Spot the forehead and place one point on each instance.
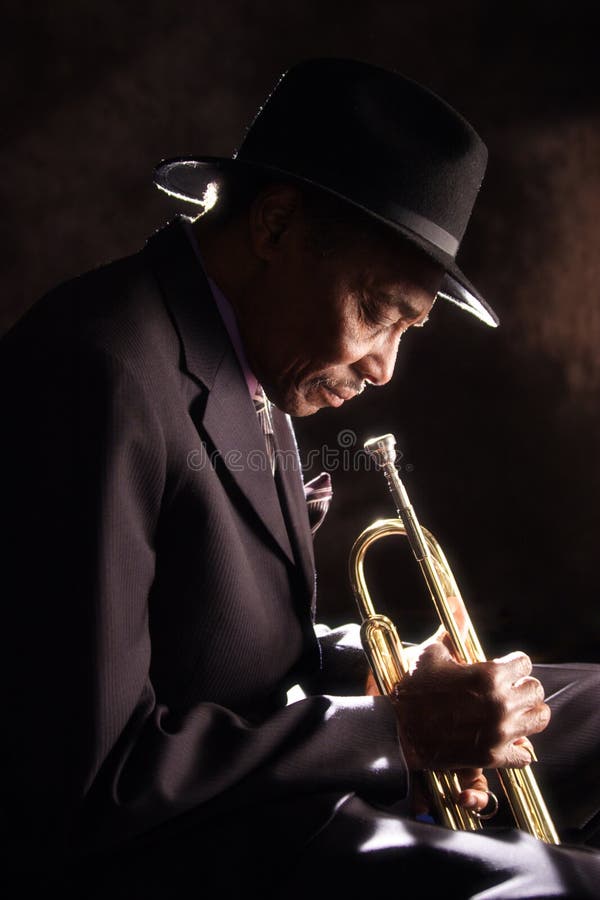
(394, 272)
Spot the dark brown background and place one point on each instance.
(499, 429)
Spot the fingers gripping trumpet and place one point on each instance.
(389, 663)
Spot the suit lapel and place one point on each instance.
(291, 489)
(232, 424)
(229, 418)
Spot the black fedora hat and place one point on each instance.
(373, 138)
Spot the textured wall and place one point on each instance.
(499, 430)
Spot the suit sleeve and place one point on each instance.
(344, 666)
(91, 749)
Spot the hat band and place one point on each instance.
(423, 227)
(397, 214)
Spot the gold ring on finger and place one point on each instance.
(493, 800)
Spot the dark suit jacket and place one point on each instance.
(159, 589)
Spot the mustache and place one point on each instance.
(355, 385)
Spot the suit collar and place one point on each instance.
(186, 291)
(229, 418)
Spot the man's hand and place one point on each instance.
(456, 716)
(474, 794)
(474, 786)
(466, 717)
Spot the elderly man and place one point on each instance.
(162, 582)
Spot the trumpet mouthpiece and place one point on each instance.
(382, 449)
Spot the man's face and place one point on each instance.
(324, 326)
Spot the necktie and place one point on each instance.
(318, 492)
(262, 405)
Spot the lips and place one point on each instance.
(345, 393)
(338, 396)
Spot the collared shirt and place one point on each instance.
(229, 320)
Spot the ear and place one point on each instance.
(271, 216)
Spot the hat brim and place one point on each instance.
(187, 179)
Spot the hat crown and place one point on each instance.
(372, 138)
(375, 137)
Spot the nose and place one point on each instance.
(377, 366)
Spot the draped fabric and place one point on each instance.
(164, 648)
(318, 499)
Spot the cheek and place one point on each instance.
(335, 337)
(342, 344)
(315, 328)
(327, 348)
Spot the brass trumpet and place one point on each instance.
(388, 661)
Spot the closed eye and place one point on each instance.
(409, 312)
(378, 314)
(385, 312)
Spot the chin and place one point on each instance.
(307, 409)
(293, 402)
(298, 407)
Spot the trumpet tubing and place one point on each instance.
(389, 665)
